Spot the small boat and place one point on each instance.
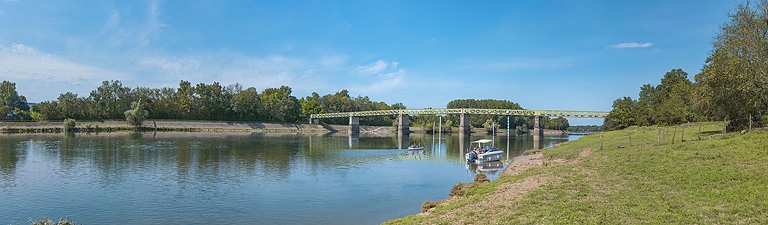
(487, 154)
(415, 147)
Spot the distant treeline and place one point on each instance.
(733, 85)
(187, 102)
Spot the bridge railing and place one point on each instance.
(503, 112)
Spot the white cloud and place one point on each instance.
(431, 40)
(632, 45)
(20, 62)
(383, 83)
(42, 76)
(374, 68)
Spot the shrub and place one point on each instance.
(69, 124)
(44, 221)
(136, 115)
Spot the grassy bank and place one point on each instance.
(723, 180)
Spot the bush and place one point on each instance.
(136, 115)
(44, 221)
(69, 124)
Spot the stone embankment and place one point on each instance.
(193, 126)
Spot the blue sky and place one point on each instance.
(575, 55)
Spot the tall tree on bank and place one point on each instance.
(10, 100)
(734, 81)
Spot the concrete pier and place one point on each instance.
(464, 124)
(354, 125)
(538, 126)
(314, 121)
(403, 124)
(538, 133)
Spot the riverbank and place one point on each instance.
(637, 177)
(186, 126)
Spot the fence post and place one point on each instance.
(630, 139)
(699, 130)
(724, 126)
(658, 138)
(682, 134)
(750, 122)
(673, 135)
(601, 142)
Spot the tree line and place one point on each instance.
(732, 85)
(113, 101)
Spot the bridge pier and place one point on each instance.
(403, 124)
(464, 124)
(354, 125)
(314, 121)
(538, 127)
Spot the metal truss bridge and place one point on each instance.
(503, 112)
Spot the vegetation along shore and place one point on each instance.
(647, 180)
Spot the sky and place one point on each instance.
(547, 55)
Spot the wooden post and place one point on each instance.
(630, 139)
(699, 130)
(682, 134)
(658, 138)
(750, 122)
(724, 126)
(673, 135)
(601, 142)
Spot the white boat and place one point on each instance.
(415, 147)
(489, 153)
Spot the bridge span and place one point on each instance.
(464, 113)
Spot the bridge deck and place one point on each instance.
(503, 112)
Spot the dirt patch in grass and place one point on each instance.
(522, 163)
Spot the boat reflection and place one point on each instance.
(485, 167)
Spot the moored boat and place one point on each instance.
(482, 153)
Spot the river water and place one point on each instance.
(228, 178)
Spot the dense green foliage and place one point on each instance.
(734, 81)
(12, 103)
(136, 115)
(187, 102)
(733, 84)
(587, 128)
(342, 102)
(69, 124)
(665, 104)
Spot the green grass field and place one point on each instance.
(723, 180)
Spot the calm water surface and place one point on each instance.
(218, 178)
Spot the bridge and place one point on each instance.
(464, 113)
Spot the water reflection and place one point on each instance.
(152, 178)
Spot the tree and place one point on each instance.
(247, 105)
(10, 99)
(311, 104)
(622, 115)
(734, 81)
(559, 123)
(137, 114)
(489, 125)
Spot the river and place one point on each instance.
(229, 178)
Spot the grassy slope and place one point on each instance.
(723, 180)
